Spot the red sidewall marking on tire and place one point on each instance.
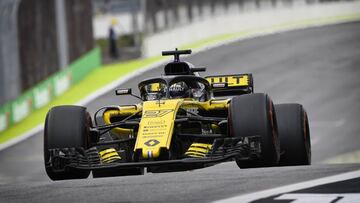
(272, 123)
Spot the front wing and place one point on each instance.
(223, 149)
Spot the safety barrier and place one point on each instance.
(54, 86)
(233, 19)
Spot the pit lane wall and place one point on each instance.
(250, 16)
(54, 86)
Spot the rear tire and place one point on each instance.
(66, 127)
(254, 115)
(294, 135)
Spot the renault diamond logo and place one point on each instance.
(151, 143)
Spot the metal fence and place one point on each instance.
(37, 41)
(9, 58)
(79, 27)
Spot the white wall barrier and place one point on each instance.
(236, 20)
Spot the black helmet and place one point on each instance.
(179, 90)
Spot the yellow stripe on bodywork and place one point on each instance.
(156, 126)
(198, 150)
(112, 154)
(109, 155)
(239, 80)
(201, 145)
(106, 151)
(122, 133)
(194, 154)
(213, 104)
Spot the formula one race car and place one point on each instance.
(183, 122)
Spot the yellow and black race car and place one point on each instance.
(183, 122)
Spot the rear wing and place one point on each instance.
(231, 85)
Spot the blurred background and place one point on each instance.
(56, 52)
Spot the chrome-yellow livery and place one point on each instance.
(109, 155)
(231, 80)
(157, 122)
(198, 150)
(213, 104)
(156, 126)
(121, 111)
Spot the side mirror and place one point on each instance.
(126, 92)
(123, 91)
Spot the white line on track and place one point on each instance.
(122, 80)
(293, 187)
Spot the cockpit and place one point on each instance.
(175, 87)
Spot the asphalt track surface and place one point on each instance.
(317, 67)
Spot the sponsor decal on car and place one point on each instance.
(230, 80)
(156, 113)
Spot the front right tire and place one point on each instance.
(66, 127)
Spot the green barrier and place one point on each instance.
(41, 94)
(61, 82)
(81, 68)
(21, 107)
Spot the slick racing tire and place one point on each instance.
(294, 135)
(66, 127)
(254, 115)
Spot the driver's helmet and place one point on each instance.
(179, 90)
